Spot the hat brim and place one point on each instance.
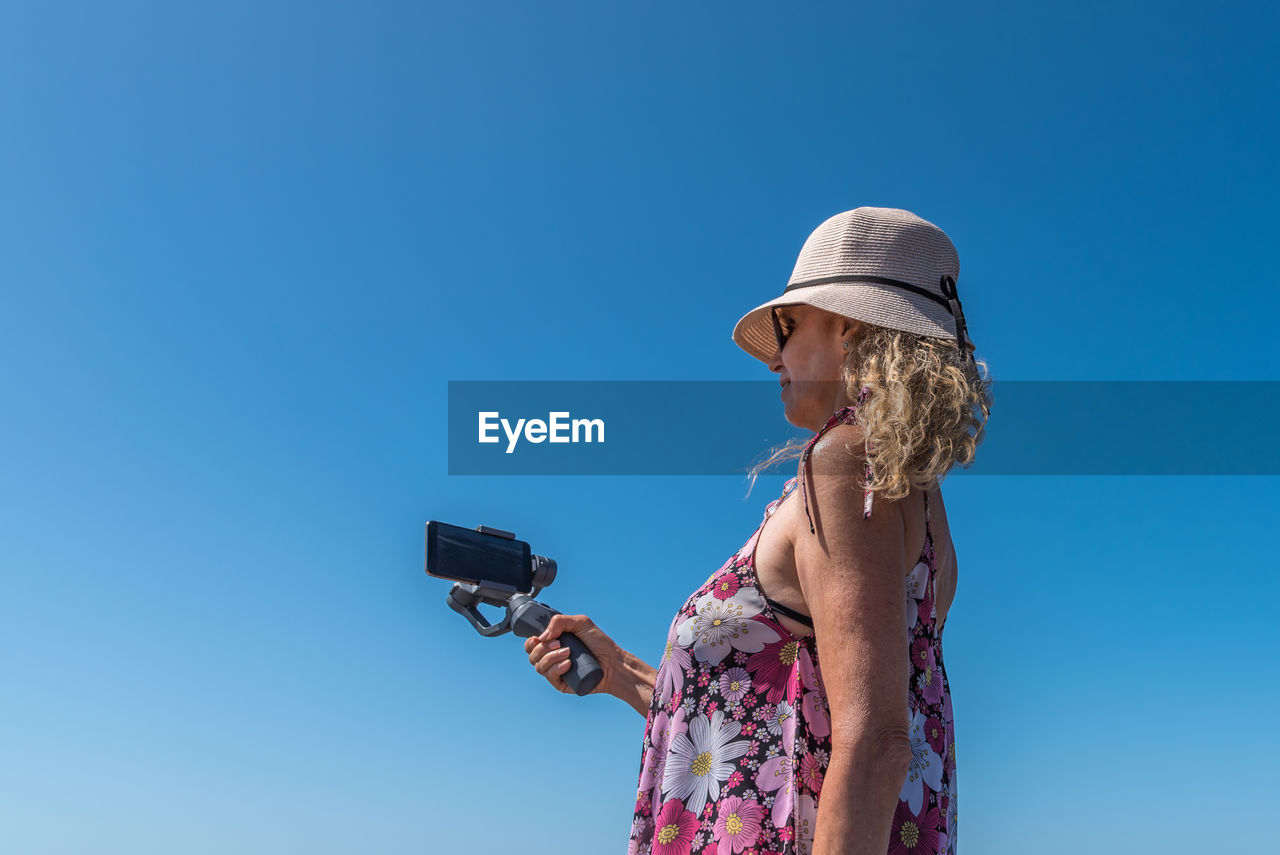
(881, 305)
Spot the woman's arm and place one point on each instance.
(636, 682)
(626, 676)
(852, 575)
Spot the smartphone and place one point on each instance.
(467, 555)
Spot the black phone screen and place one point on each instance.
(466, 555)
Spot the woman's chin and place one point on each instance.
(789, 412)
(803, 410)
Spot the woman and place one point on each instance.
(817, 718)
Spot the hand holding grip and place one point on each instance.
(530, 618)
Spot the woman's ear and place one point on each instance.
(852, 325)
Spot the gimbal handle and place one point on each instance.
(528, 617)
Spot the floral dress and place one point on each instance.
(738, 735)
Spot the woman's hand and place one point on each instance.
(625, 676)
(551, 659)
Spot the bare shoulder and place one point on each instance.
(837, 479)
(835, 484)
(841, 451)
(837, 467)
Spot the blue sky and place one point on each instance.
(245, 246)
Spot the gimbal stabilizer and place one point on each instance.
(525, 616)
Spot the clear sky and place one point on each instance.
(245, 245)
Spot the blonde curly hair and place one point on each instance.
(926, 410)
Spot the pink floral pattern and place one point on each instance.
(738, 736)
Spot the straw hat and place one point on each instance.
(883, 266)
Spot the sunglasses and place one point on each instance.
(777, 330)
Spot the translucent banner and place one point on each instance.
(673, 427)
